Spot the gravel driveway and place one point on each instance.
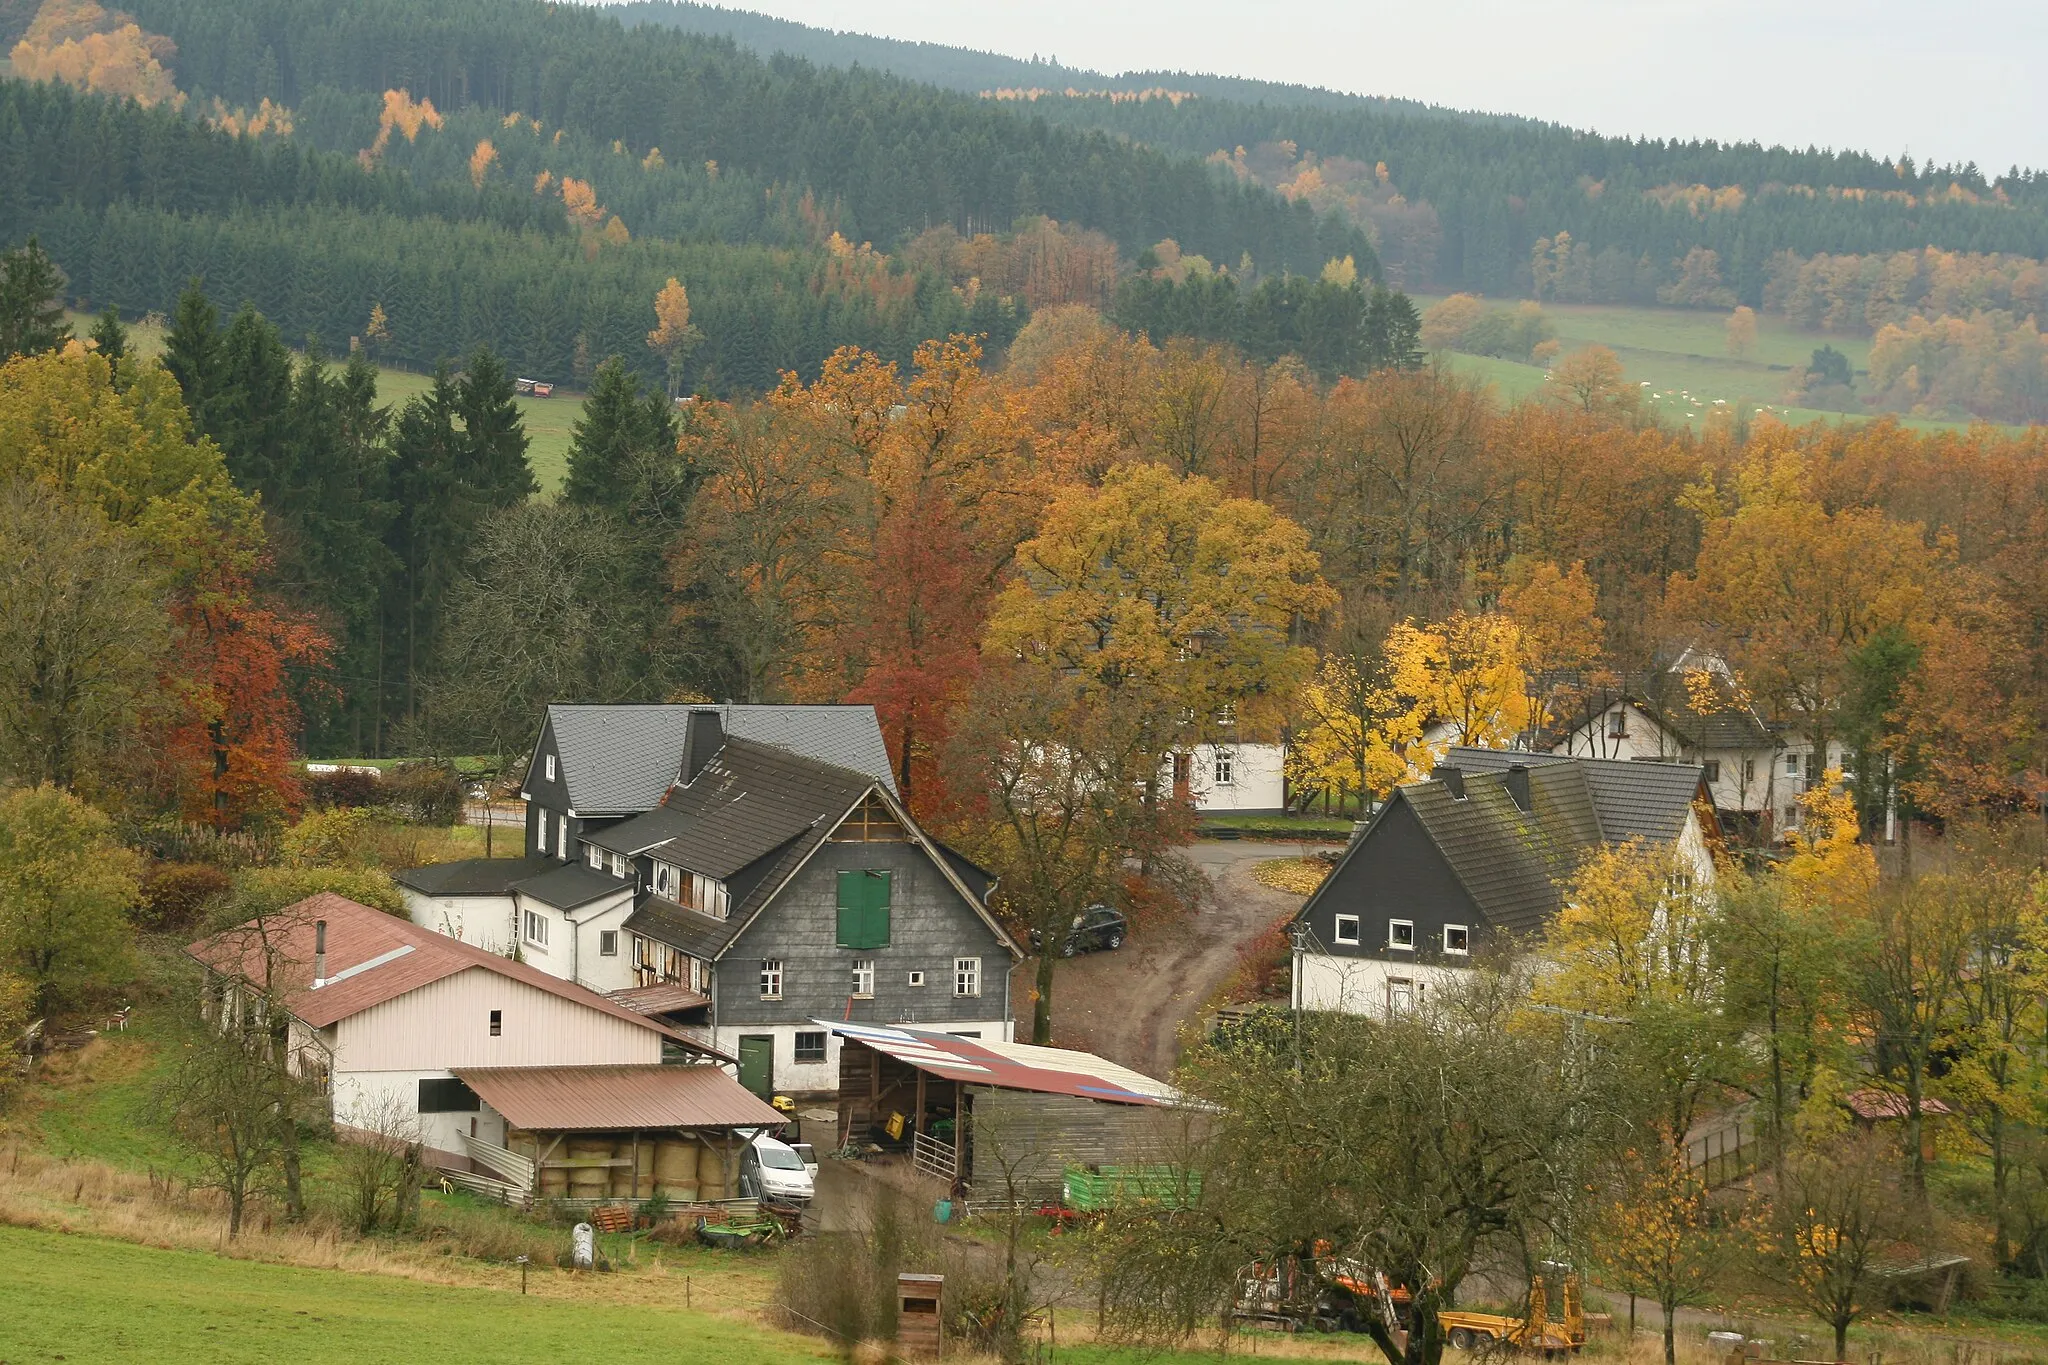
(1129, 1005)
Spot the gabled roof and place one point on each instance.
(619, 760)
(698, 934)
(1635, 799)
(372, 958)
(1661, 694)
(748, 801)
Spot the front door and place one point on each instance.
(757, 1065)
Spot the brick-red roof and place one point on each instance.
(372, 957)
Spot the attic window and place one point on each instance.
(551, 767)
(1401, 934)
(1713, 767)
(1457, 940)
(1347, 929)
(1617, 723)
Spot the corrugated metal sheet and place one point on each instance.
(1011, 1066)
(618, 1098)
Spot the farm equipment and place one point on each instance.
(1111, 1187)
(1330, 1294)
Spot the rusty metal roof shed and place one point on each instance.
(554, 1099)
(1011, 1066)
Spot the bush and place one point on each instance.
(427, 792)
(177, 896)
(342, 790)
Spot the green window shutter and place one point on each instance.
(863, 910)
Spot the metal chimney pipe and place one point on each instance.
(320, 952)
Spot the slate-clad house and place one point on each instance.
(739, 886)
(1484, 848)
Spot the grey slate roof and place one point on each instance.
(572, 884)
(697, 934)
(473, 876)
(1634, 800)
(1513, 862)
(620, 759)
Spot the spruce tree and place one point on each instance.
(620, 426)
(494, 435)
(31, 302)
(194, 353)
(109, 336)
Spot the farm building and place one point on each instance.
(982, 1113)
(411, 1029)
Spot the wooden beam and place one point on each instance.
(917, 1127)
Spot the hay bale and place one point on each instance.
(675, 1162)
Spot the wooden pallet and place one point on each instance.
(612, 1217)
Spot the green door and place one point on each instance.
(757, 1065)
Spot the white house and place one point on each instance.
(566, 919)
(1246, 778)
(390, 1014)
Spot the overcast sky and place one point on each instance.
(1954, 80)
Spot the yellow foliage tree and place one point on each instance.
(480, 161)
(1829, 865)
(1741, 332)
(1658, 1237)
(673, 337)
(1446, 323)
(579, 203)
(1356, 734)
(1341, 271)
(1591, 379)
(1468, 673)
(83, 45)
(653, 161)
(1556, 611)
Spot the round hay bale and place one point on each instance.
(554, 1182)
(675, 1163)
(688, 1193)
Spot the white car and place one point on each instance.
(774, 1171)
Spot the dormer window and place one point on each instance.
(594, 855)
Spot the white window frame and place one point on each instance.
(1617, 723)
(594, 856)
(1226, 768)
(533, 928)
(966, 977)
(540, 825)
(917, 978)
(1337, 933)
(563, 844)
(1401, 988)
(1464, 929)
(620, 867)
(771, 978)
(551, 767)
(863, 978)
(1393, 942)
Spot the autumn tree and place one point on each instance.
(674, 336)
(1356, 734)
(1468, 673)
(1838, 1218)
(1658, 1236)
(66, 886)
(1908, 984)
(1741, 332)
(1592, 381)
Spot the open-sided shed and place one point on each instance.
(976, 1113)
(618, 1132)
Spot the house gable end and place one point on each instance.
(1394, 872)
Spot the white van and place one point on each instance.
(773, 1170)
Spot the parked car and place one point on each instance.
(809, 1156)
(771, 1169)
(1099, 926)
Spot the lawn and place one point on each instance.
(1679, 353)
(547, 419)
(83, 1298)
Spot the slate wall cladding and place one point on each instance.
(1398, 874)
(930, 925)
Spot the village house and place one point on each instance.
(1482, 851)
(736, 884)
(1228, 777)
(410, 1030)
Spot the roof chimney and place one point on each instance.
(1518, 785)
(1454, 778)
(703, 737)
(319, 952)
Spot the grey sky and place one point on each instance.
(1956, 81)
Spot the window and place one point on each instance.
(1791, 765)
(864, 909)
(1457, 939)
(1713, 767)
(594, 855)
(864, 978)
(1791, 816)
(1748, 771)
(810, 1047)
(1617, 723)
(1400, 995)
(551, 767)
(536, 926)
(1347, 928)
(967, 976)
(1226, 768)
(771, 978)
(563, 842)
(497, 1023)
(607, 943)
(447, 1096)
(1401, 933)
(917, 978)
(619, 868)
(540, 826)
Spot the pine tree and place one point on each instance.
(494, 444)
(194, 353)
(109, 336)
(31, 302)
(620, 425)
